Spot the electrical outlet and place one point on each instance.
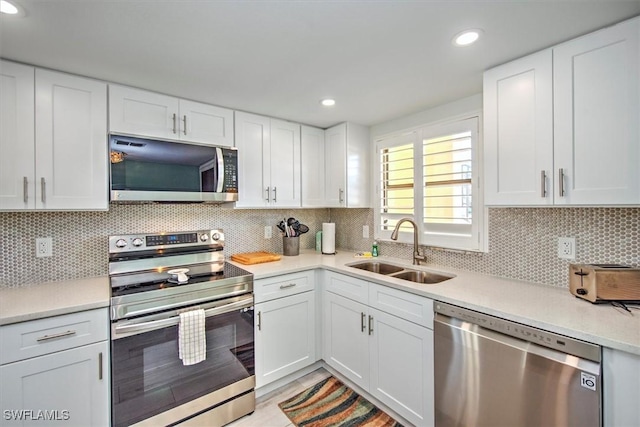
(44, 247)
(567, 248)
(365, 231)
(268, 232)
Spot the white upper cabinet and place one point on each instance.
(564, 130)
(268, 162)
(63, 164)
(597, 115)
(518, 132)
(17, 136)
(313, 167)
(347, 151)
(71, 142)
(142, 113)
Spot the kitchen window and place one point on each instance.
(431, 175)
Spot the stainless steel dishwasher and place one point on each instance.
(493, 372)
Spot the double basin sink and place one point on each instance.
(392, 270)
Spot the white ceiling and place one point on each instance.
(379, 59)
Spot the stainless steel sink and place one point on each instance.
(391, 270)
(377, 267)
(425, 277)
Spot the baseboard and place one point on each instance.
(366, 395)
(268, 388)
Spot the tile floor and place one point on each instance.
(267, 413)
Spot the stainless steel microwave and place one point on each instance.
(149, 170)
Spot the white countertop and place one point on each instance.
(545, 307)
(53, 299)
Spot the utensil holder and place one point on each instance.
(290, 246)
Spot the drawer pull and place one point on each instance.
(54, 336)
(100, 365)
(290, 285)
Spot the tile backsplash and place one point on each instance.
(80, 239)
(522, 241)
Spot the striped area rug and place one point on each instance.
(330, 403)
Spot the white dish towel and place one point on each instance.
(192, 344)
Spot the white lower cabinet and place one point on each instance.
(67, 381)
(381, 351)
(285, 326)
(621, 388)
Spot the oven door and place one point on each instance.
(150, 384)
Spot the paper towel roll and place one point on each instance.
(328, 238)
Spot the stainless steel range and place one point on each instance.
(155, 279)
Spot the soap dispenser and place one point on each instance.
(374, 249)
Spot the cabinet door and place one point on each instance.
(285, 336)
(621, 388)
(345, 337)
(71, 142)
(253, 143)
(17, 138)
(69, 385)
(596, 117)
(402, 366)
(518, 132)
(285, 164)
(138, 112)
(206, 124)
(312, 171)
(335, 165)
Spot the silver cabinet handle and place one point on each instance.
(543, 184)
(184, 121)
(370, 325)
(363, 318)
(43, 187)
(290, 285)
(268, 194)
(25, 189)
(561, 181)
(340, 195)
(275, 194)
(259, 320)
(100, 365)
(174, 122)
(54, 336)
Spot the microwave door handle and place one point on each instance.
(220, 177)
(174, 320)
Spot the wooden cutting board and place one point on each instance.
(255, 257)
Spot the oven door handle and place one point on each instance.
(174, 320)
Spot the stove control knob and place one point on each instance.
(121, 243)
(204, 237)
(137, 242)
(215, 236)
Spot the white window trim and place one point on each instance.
(417, 134)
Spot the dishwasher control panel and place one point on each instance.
(524, 332)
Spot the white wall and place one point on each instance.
(452, 109)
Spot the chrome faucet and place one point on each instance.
(416, 252)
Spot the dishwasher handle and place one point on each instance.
(529, 347)
(547, 339)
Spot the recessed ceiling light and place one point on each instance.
(466, 37)
(328, 102)
(8, 8)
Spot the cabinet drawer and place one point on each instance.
(284, 285)
(405, 305)
(347, 286)
(37, 337)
